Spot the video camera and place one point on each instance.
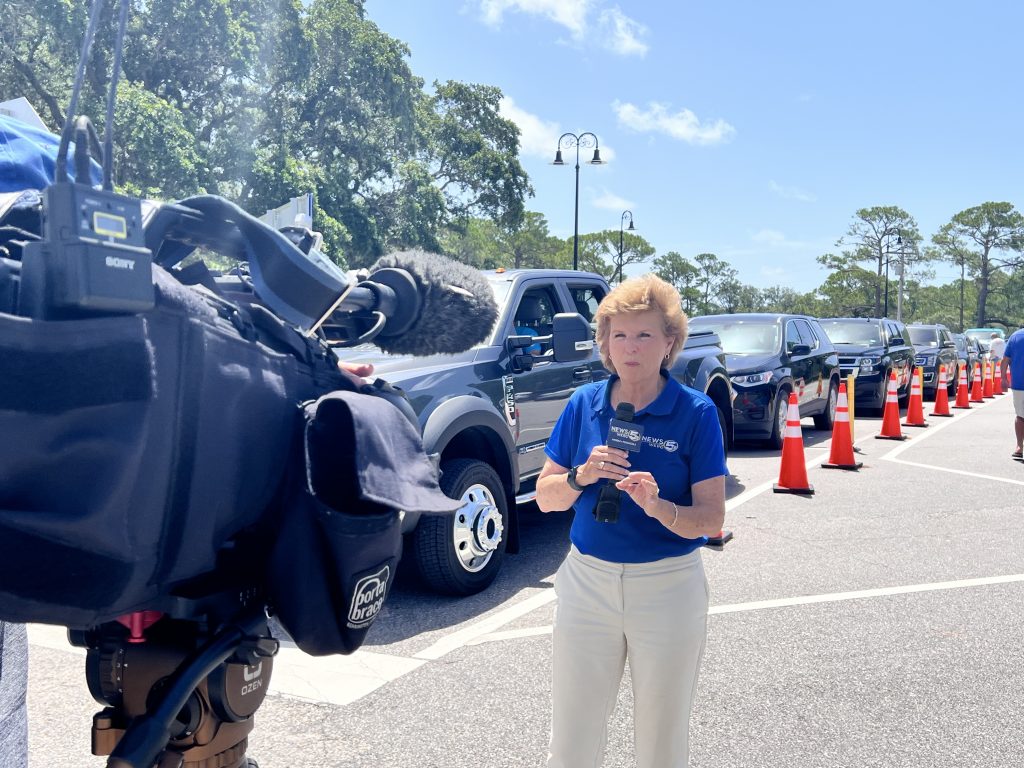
(181, 452)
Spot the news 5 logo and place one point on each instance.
(625, 435)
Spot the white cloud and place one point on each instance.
(571, 14)
(791, 193)
(536, 137)
(611, 201)
(621, 33)
(612, 29)
(683, 125)
(771, 237)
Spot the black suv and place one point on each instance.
(934, 346)
(871, 348)
(768, 356)
(969, 352)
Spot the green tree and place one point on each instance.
(711, 272)
(262, 100)
(987, 239)
(873, 236)
(39, 52)
(675, 269)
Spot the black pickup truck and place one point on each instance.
(488, 412)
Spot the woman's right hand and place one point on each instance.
(604, 463)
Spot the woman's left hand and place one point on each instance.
(642, 489)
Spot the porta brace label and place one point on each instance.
(368, 598)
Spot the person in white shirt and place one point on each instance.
(996, 347)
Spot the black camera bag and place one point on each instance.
(135, 450)
(339, 541)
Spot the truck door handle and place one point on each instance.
(581, 374)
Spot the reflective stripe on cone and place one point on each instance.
(793, 472)
(891, 418)
(841, 454)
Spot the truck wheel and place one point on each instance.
(827, 418)
(460, 554)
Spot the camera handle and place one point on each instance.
(178, 699)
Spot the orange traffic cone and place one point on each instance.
(976, 393)
(962, 394)
(915, 408)
(891, 417)
(793, 472)
(997, 375)
(986, 388)
(942, 395)
(841, 455)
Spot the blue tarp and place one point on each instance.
(28, 157)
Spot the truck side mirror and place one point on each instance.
(571, 337)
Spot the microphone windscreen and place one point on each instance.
(459, 310)
(624, 411)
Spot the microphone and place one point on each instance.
(624, 434)
(433, 305)
(413, 302)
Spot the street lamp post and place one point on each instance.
(631, 228)
(903, 269)
(899, 242)
(568, 141)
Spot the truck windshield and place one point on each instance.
(852, 332)
(924, 337)
(743, 337)
(500, 286)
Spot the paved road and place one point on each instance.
(877, 623)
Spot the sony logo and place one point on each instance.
(116, 263)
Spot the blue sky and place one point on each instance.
(750, 129)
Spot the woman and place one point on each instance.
(633, 589)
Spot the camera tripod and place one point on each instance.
(180, 692)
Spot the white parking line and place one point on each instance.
(488, 624)
(786, 602)
(956, 471)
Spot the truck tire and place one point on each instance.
(461, 553)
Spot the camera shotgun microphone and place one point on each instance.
(625, 434)
(455, 306)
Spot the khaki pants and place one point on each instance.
(655, 615)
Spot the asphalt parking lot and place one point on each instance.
(875, 623)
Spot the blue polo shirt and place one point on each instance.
(1015, 351)
(682, 445)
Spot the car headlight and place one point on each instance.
(753, 378)
(868, 364)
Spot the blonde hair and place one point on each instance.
(642, 294)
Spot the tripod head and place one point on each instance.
(179, 692)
